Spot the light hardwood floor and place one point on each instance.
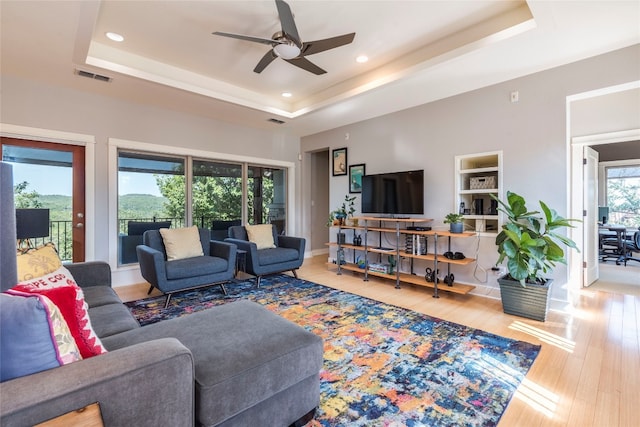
(587, 373)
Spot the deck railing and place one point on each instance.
(61, 232)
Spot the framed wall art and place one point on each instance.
(356, 172)
(339, 161)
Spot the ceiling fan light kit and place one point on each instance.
(287, 45)
(287, 50)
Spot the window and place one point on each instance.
(216, 192)
(623, 194)
(151, 188)
(155, 188)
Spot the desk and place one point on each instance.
(617, 252)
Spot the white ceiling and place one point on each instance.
(420, 51)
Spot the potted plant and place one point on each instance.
(531, 245)
(346, 210)
(455, 222)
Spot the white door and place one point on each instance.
(590, 207)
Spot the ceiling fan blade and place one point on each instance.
(287, 22)
(306, 65)
(317, 46)
(247, 38)
(266, 60)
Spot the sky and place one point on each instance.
(48, 180)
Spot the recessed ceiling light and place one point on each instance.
(362, 59)
(287, 94)
(114, 36)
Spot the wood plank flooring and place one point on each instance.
(587, 373)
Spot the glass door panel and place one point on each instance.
(51, 176)
(267, 196)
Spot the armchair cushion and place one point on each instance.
(277, 256)
(261, 235)
(194, 266)
(180, 243)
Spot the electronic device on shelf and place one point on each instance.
(420, 228)
(396, 193)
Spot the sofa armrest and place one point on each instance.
(147, 384)
(90, 273)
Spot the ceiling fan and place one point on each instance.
(287, 45)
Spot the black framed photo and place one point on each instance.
(339, 161)
(356, 172)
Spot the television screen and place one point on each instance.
(396, 193)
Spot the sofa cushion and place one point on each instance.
(63, 291)
(242, 351)
(196, 266)
(111, 319)
(261, 235)
(277, 256)
(33, 336)
(36, 262)
(181, 243)
(95, 296)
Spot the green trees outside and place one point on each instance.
(624, 201)
(213, 197)
(25, 199)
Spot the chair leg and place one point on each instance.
(166, 303)
(258, 280)
(295, 273)
(224, 290)
(150, 289)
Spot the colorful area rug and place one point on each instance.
(384, 365)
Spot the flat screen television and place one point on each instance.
(395, 193)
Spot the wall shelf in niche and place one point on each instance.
(478, 177)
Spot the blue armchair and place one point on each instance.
(216, 266)
(288, 253)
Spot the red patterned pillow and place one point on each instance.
(63, 291)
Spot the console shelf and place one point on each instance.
(457, 288)
(371, 225)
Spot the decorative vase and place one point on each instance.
(530, 301)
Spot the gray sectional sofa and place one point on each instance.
(233, 365)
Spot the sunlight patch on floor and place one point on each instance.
(544, 336)
(537, 397)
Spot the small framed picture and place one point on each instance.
(356, 172)
(340, 161)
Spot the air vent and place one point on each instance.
(275, 121)
(94, 76)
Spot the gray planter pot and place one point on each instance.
(531, 301)
(456, 227)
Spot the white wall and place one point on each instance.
(532, 134)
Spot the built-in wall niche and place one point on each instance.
(478, 177)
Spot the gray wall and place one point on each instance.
(532, 134)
